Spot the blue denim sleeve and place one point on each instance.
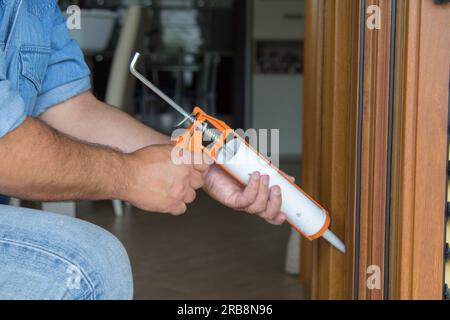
(12, 107)
(67, 73)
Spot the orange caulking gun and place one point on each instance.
(239, 159)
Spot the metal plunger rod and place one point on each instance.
(187, 116)
(155, 89)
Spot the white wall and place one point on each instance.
(277, 99)
(278, 19)
(278, 104)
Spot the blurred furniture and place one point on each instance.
(67, 208)
(292, 264)
(121, 84)
(96, 29)
(183, 68)
(278, 19)
(208, 82)
(15, 202)
(4, 200)
(155, 67)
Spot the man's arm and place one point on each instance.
(86, 118)
(39, 163)
(91, 120)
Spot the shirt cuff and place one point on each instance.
(12, 109)
(61, 94)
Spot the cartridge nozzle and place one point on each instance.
(335, 241)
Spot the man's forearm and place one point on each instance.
(87, 119)
(39, 163)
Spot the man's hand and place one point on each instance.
(158, 184)
(255, 198)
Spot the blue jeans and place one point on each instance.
(50, 256)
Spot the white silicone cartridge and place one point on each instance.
(303, 213)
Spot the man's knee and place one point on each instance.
(110, 270)
(82, 259)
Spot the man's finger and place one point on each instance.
(189, 197)
(250, 192)
(197, 180)
(274, 204)
(201, 162)
(260, 204)
(179, 209)
(279, 219)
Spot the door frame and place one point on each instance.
(375, 146)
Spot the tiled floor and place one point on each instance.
(211, 252)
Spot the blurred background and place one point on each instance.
(241, 61)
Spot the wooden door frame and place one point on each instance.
(313, 54)
(374, 148)
(330, 126)
(420, 160)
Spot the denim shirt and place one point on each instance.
(40, 65)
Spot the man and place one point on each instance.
(58, 142)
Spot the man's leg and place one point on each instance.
(49, 256)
